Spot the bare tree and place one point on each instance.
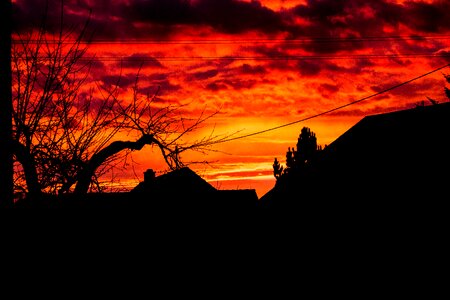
(162, 126)
(64, 139)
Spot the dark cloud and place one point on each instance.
(325, 18)
(248, 69)
(332, 18)
(167, 12)
(236, 84)
(386, 85)
(236, 16)
(216, 86)
(445, 54)
(119, 80)
(157, 76)
(153, 82)
(165, 87)
(29, 14)
(271, 51)
(327, 90)
(120, 18)
(414, 90)
(230, 16)
(354, 18)
(137, 60)
(205, 74)
(321, 11)
(97, 66)
(433, 18)
(314, 67)
(357, 66)
(308, 68)
(105, 18)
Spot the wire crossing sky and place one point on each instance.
(247, 41)
(334, 109)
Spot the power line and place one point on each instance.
(241, 41)
(331, 110)
(255, 58)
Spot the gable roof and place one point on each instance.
(185, 189)
(396, 137)
(181, 181)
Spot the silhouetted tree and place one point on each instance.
(290, 158)
(297, 160)
(277, 169)
(66, 138)
(306, 150)
(306, 146)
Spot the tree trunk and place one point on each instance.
(31, 176)
(85, 176)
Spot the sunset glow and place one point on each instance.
(260, 64)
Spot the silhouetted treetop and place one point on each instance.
(298, 158)
(277, 169)
(306, 146)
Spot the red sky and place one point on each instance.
(263, 64)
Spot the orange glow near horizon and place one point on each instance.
(273, 76)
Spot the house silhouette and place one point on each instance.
(181, 181)
(181, 189)
(386, 161)
(185, 188)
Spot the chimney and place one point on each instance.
(149, 176)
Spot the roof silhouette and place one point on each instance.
(405, 128)
(179, 181)
(181, 190)
(408, 144)
(185, 188)
(398, 155)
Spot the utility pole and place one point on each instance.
(6, 154)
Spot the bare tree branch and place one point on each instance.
(67, 136)
(85, 176)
